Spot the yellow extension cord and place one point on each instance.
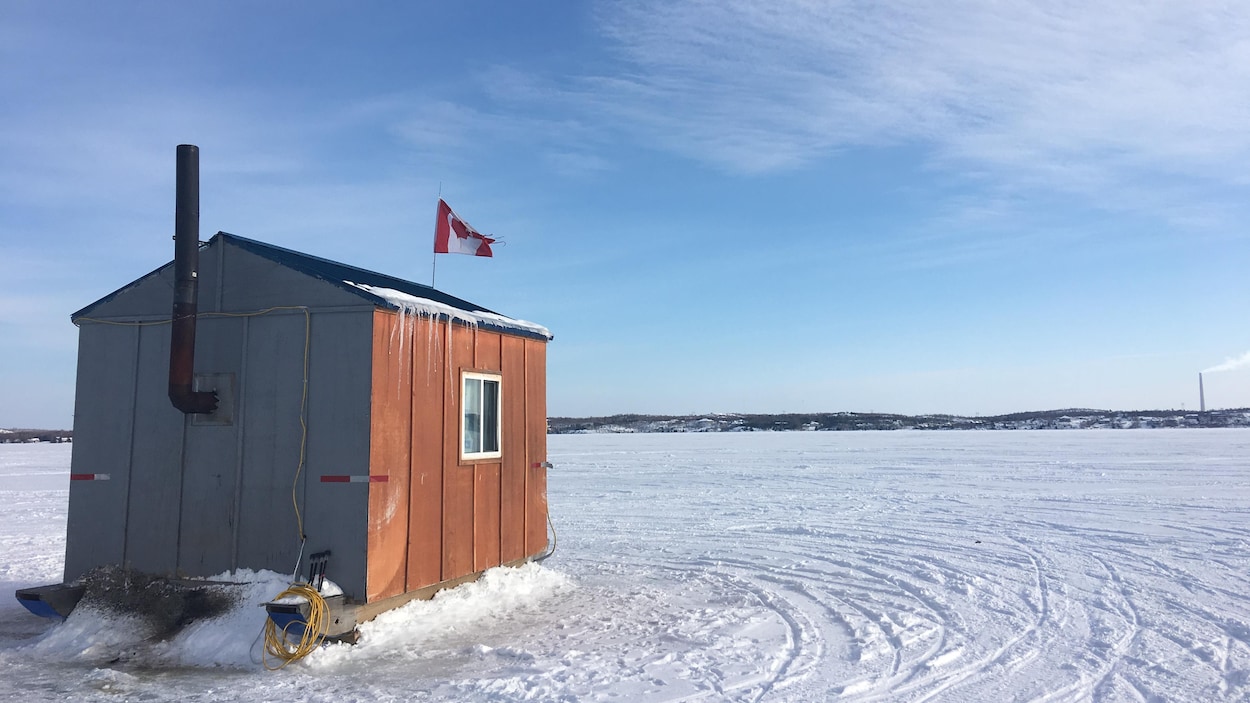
(278, 644)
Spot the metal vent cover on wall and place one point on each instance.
(223, 384)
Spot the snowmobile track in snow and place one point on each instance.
(774, 567)
(925, 567)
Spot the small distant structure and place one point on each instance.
(297, 407)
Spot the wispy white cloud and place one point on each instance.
(441, 125)
(1082, 97)
(104, 155)
(458, 133)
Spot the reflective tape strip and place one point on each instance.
(355, 479)
(88, 477)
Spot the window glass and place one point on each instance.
(480, 424)
(490, 416)
(472, 415)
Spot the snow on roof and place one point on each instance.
(395, 292)
(413, 304)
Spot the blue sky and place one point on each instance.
(971, 207)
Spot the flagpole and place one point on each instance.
(434, 265)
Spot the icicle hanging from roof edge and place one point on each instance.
(406, 319)
(423, 306)
(410, 308)
(429, 308)
(451, 382)
(404, 314)
(412, 316)
(410, 335)
(395, 327)
(402, 327)
(433, 341)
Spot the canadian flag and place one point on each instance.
(452, 235)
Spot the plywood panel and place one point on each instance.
(486, 357)
(339, 399)
(156, 462)
(207, 520)
(269, 400)
(425, 519)
(104, 400)
(536, 446)
(512, 475)
(486, 352)
(457, 479)
(389, 454)
(457, 521)
(486, 516)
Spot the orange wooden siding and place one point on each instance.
(486, 351)
(457, 478)
(486, 516)
(425, 545)
(512, 477)
(436, 518)
(535, 424)
(389, 455)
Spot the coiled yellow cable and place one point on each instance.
(278, 644)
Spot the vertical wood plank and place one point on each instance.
(512, 474)
(536, 446)
(389, 455)
(486, 492)
(457, 479)
(486, 350)
(425, 520)
(486, 517)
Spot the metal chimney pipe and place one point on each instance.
(186, 287)
(1202, 398)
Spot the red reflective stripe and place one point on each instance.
(381, 478)
(335, 479)
(82, 477)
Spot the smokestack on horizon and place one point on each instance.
(1202, 398)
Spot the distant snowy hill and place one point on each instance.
(1068, 419)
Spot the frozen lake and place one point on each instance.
(908, 566)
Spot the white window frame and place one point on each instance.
(465, 415)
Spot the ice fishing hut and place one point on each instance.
(296, 406)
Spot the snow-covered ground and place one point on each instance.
(910, 566)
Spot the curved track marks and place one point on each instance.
(932, 566)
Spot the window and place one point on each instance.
(479, 427)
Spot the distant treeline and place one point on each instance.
(1071, 418)
(16, 436)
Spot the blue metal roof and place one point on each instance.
(343, 276)
(339, 274)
